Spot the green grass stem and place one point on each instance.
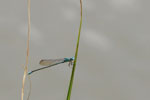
(76, 54)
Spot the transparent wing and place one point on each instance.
(48, 62)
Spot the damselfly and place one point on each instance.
(52, 62)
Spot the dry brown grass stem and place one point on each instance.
(27, 56)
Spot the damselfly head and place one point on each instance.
(72, 58)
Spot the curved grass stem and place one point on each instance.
(76, 54)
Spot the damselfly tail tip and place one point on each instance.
(29, 73)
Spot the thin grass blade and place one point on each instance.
(76, 54)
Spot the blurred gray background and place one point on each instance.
(114, 52)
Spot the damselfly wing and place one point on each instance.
(48, 62)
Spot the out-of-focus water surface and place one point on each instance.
(114, 52)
